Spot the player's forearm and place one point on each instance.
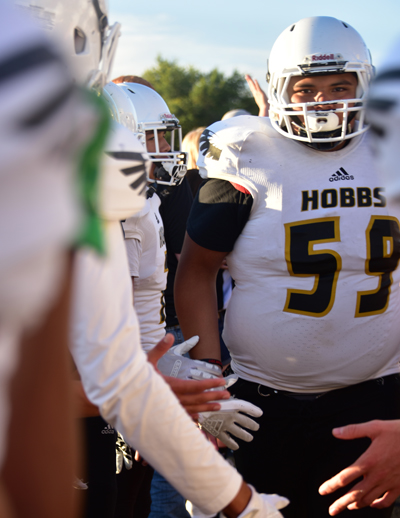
(196, 304)
(239, 503)
(198, 315)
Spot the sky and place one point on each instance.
(233, 34)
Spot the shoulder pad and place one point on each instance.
(221, 145)
(124, 180)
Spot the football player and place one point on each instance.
(44, 122)
(115, 372)
(297, 207)
(380, 464)
(145, 112)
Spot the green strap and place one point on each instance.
(91, 233)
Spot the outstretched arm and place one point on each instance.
(259, 95)
(379, 466)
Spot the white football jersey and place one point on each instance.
(316, 303)
(131, 396)
(147, 228)
(42, 124)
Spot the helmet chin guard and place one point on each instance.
(166, 173)
(318, 46)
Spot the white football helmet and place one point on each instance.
(141, 109)
(81, 27)
(383, 111)
(318, 45)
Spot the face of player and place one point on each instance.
(333, 87)
(323, 88)
(163, 146)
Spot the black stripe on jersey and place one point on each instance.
(24, 61)
(125, 155)
(132, 170)
(139, 181)
(382, 105)
(47, 110)
(390, 75)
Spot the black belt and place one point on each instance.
(266, 391)
(301, 396)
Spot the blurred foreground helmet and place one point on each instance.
(318, 46)
(383, 111)
(81, 27)
(141, 109)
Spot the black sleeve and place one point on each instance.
(218, 216)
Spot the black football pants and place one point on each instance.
(294, 450)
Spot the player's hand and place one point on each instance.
(194, 396)
(259, 95)
(379, 466)
(262, 505)
(231, 420)
(174, 364)
(139, 458)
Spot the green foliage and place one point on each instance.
(197, 98)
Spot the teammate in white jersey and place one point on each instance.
(44, 122)
(148, 115)
(379, 466)
(296, 206)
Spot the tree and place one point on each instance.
(198, 98)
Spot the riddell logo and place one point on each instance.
(341, 174)
(323, 57)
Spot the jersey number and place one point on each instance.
(383, 253)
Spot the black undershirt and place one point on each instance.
(174, 210)
(219, 213)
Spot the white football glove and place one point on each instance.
(264, 506)
(230, 418)
(174, 364)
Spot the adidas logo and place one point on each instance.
(175, 368)
(213, 425)
(108, 429)
(341, 174)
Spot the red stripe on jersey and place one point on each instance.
(240, 188)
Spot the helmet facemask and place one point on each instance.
(321, 129)
(109, 35)
(170, 166)
(304, 50)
